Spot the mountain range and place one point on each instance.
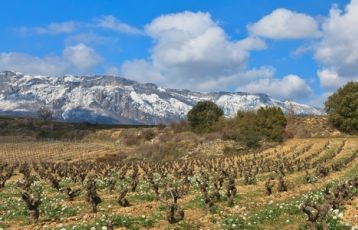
(116, 100)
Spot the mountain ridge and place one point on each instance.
(113, 99)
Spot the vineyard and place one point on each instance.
(53, 151)
(307, 183)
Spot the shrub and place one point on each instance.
(342, 108)
(181, 126)
(249, 133)
(250, 128)
(272, 123)
(159, 151)
(203, 116)
(148, 134)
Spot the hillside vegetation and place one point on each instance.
(258, 170)
(31, 137)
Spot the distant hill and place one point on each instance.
(115, 100)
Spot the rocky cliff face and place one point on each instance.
(110, 99)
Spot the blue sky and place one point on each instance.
(298, 49)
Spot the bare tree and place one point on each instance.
(290, 109)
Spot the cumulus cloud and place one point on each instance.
(110, 22)
(31, 64)
(142, 71)
(285, 24)
(191, 51)
(329, 79)
(242, 78)
(289, 87)
(75, 59)
(81, 56)
(338, 49)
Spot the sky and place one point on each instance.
(300, 50)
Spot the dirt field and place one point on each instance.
(252, 208)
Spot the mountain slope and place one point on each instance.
(110, 99)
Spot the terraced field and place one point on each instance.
(301, 184)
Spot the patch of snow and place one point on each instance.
(161, 89)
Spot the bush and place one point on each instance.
(250, 128)
(342, 108)
(148, 134)
(203, 116)
(272, 123)
(181, 126)
(159, 151)
(243, 128)
(249, 133)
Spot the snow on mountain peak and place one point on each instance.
(109, 99)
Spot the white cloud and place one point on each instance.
(243, 77)
(52, 28)
(303, 49)
(26, 63)
(338, 49)
(192, 51)
(75, 59)
(110, 22)
(329, 79)
(285, 24)
(90, 38)
(289, 87)
(81, 56)
(67, 27)
(142, 71)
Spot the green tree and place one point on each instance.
(203, 115)
(272, 123)
(248, 130)
(342, 108)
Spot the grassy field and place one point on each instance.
(299, 162)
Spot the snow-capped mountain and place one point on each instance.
(111, 99)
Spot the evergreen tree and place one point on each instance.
(203, 116)
(248, 130)
(272, 123)
(342, 108)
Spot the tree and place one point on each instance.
(290, 110)
(342, 108)
(248, 130)
(45, 114)
(272, 123)
(203, 115)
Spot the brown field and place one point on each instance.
(251, 209)
(29, 151)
